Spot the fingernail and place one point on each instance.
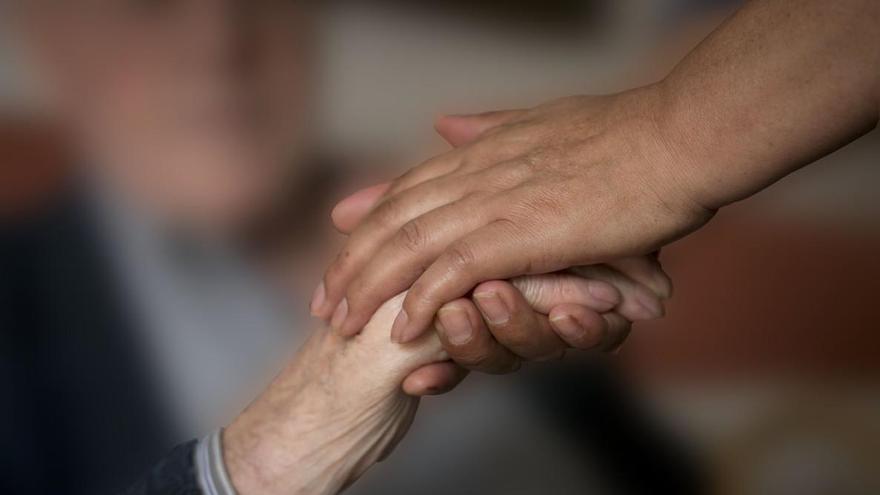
(567, 326)
(339, 315)
(604, 293)
(399, 326)
(651, 307)
(318, 299)
(456, 325)
(493, 307)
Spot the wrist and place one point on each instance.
(323, 421)
(311, 454)
(686, 159)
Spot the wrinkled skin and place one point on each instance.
(331, 414)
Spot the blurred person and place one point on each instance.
(136, 308)
(587, 179)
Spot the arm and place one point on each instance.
(584, 180)
(777, 86)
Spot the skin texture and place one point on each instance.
(582, 308)
(584, 180)
(472, 223)
(332, 413)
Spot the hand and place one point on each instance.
(332, 413)
(539, 317)
(574, 182)
(542, 315)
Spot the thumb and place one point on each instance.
(349, 212)
(459, 130)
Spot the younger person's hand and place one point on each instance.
(539, 317)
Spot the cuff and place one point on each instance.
(210, 468)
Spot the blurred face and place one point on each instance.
(193, 107)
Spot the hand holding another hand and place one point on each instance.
(344, 403)
(575, 182)
(540, 317)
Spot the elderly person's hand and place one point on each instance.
(332, 413)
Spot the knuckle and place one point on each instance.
(401, 183)
(460, 256)
(386, 214)
(512, 226)
(413, 236)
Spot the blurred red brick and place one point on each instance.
(756, 296)
(33, 160)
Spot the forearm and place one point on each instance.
(777, 86)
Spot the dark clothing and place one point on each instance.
(173, 475)
(78, 415)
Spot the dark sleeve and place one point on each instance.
(173, 475)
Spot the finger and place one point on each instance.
(383, 221)
(468, 342)
(499, 250)
(349, 212)
(638, 302)
(434, 379)
(647, 271)
(578, 326)
(404, 256)
(430, 169)
(617, 331)
(546, 291)
(514, 324)
(459, 130)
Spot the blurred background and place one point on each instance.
(143, 144)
